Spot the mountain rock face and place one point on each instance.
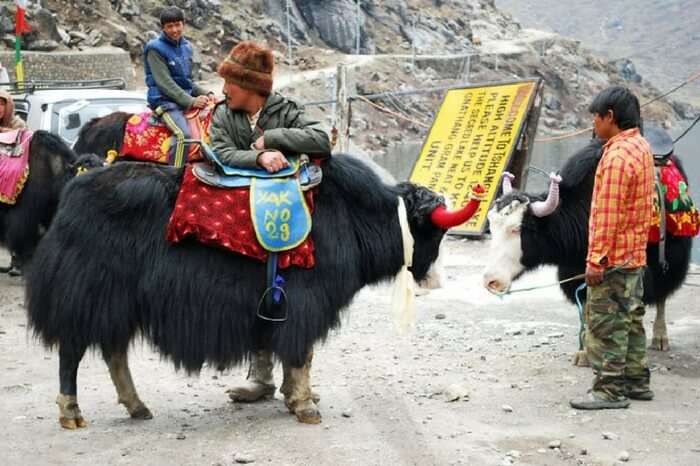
(404, 45)
(336, 22)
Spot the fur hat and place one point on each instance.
(250, 66)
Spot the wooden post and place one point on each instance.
(342, 109)
(523, 151)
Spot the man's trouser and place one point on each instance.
(175, 120)
(615, 338)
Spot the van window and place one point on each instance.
(68, 124)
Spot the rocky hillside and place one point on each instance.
(660, 36)
(441, 33)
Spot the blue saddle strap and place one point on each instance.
(273, 305)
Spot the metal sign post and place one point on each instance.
(289, 31)
(358, 31)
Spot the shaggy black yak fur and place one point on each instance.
(105, 273)
(52, 164)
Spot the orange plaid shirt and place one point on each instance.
(622, 205)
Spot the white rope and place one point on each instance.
(402, 304)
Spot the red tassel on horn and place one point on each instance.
(443, 218)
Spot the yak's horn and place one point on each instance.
(549, 205)
(507, 182)
(443, 218)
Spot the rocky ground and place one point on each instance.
(481, 381)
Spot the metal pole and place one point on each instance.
(413, 46)
(334, 93)
(289, 32)
(357, 32)
(467, 68)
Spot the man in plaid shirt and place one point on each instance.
(621, 215)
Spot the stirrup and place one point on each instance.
(267, 294)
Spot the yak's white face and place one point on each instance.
(504, 261)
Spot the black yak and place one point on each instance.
(51, 165)
(522, 241)
(105, 273)
(100, 135)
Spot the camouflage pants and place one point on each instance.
(615, 338)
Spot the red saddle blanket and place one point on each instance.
(682, 217)
(14, 163)
(221, 217)
(146, 138)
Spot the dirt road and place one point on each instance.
(383, 398)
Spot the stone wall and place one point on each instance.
(98, 63)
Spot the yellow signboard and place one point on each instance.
(471, 141)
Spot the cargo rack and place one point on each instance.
(30, 86)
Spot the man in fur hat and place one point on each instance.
(254, 127)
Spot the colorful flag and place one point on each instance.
(21, 27)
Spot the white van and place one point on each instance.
(63, 107)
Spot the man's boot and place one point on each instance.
(594, 401)
(637, 387)
(259, 384)
(15, 269)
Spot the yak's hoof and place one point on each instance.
(659, 344)
(70, 416)
(581, 359)
(306, 412)
(141, 412)
(72, 424)
(251, 392)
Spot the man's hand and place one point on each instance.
(272, 161)
(200, 102)
(259, 143)
(594, 277)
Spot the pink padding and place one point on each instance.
(10, 136)
(15, 170)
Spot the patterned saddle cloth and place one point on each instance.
(147, 139)
(14, 163)
(268, 215)
(682, 217)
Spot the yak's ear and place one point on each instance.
(86, 162)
